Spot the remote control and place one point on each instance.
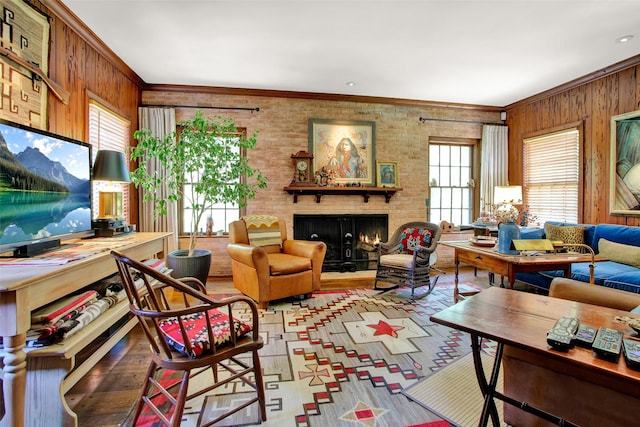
(608, 343)
(585, 336)
(631, 353)
(561, 335)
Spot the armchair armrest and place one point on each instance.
(388, 248)
(251, 256)
(302, 248)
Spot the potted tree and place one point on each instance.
(204, 166)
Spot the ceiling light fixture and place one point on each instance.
(624, 39)
(351, 84)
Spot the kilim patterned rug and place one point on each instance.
(343, 358)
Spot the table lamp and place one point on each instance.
(110, 166)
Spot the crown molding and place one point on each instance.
(217, 90)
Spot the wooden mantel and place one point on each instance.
(365, 192)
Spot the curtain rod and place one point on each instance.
(202, 106)
(424, 119)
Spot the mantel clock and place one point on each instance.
(302, 168)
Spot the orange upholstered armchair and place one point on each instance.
(267, 266)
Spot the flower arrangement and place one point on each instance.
(507, 213)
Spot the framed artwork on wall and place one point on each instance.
(346, 147)
(625, 164)
(387, 174)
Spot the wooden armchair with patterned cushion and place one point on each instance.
(267, 266)
(406, 259)
(191, 335)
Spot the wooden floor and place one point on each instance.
(105, 395)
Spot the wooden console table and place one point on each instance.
(365, 192)
(564, 388)
(35, 380)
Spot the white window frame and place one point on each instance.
(452, 192)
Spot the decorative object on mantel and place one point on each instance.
(345, 148)
(363, 191)
(302, 169)
(506, 215)
(387, 174)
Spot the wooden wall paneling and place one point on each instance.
(598, 184)
(81, 67)
(627, 89)
(593, 103)
(565, 112)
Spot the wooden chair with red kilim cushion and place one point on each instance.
(191, 333)
(406, 259)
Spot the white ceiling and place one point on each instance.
(473, 52)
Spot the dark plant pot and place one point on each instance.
(190, 266)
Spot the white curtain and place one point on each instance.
(494, 169)
(161, 122)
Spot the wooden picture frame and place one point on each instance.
(333, 144)
(624, 191)
(387, 174)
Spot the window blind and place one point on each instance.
(108, 131)
(552, 176)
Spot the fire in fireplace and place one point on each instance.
(351, 239)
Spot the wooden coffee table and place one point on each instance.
(488, 258)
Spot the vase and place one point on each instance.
(507, 231)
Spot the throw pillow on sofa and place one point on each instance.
(619, 252)
(567, 234)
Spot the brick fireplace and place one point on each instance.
(350, 238)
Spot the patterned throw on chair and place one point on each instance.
(263, 230)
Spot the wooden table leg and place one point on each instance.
(14, 380)
(456, 294)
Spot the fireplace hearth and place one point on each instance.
(351, 239)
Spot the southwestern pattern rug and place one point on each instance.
(343, 358)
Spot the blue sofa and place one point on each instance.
(609, 273)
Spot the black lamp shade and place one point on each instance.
(110, 166)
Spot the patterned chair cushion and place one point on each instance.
(196, 327)
(414, 237)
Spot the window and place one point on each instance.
(552, 175)
(221, 214)
(451, 181)
(108, 131)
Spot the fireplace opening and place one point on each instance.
(351, 239)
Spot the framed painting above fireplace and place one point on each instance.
(346, 147)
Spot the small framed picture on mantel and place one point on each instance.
(387, 174)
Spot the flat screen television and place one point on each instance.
(45, 189)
